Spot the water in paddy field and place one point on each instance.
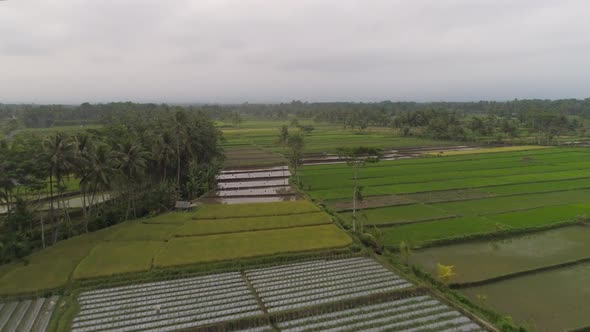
(272, 191)
(240, 200)
(257, 185)
(323, 159)
(253, 184)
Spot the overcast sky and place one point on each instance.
(71, 51)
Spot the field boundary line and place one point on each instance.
(462, 200)
(488, 281)
(252, 230)
(456, 188)
(262, 215)
(253, 291)
(396, 224)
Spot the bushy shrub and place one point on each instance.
(370, 241)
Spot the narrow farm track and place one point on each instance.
(212, 301)
(27, 315)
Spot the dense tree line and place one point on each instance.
(349, 114)
(139, 163)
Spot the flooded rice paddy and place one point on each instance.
(476, 261)
(556, 300)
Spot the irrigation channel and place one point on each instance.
(292, 297)
(256, 185)
(27, 315)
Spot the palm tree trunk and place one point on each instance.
(51, 213)
(354, 199)
(178, 165)
(7, 193)
(42, 230)
(84, 211)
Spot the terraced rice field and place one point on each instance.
(432, 200)
(211, 233)
(429, 199)
(213, 301)
(325, 138)
(27, 315)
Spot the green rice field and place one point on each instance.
(433, 198)
(325, 138)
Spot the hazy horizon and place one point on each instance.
(228, 52)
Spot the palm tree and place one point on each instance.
(94, 168)
(131, 162)
(164, 150)
(60, 154)
(180, 130)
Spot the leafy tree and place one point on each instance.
(283, 134)
(295, 144)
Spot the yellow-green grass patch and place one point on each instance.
(231, 225)
(217, 211)
(138, 231)
(190, 250)
(485, 150)
(48, 268)
(170, 218)
(112, 258)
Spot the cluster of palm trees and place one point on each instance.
(123, 162)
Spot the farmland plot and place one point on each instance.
(554, 300)
(27, 315)
(211, 300)
(416, 313)
(253, 185)
(299, 285)
(182, 303)
(509, 255)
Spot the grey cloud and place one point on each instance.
(271, 51)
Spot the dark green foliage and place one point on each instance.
(140, 162)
